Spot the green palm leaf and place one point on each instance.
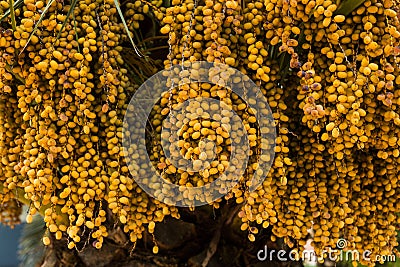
(38, 22)
(126, 28)
(31, 249)
(71, 9)
(348, 6)
(14, 5)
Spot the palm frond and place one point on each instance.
(12, 14)
(117, 6)
(17, 4)
(38, 22)
(31, 249)
(139, 68)
(348, 6)
(70, 11)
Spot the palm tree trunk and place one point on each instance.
(204, 237)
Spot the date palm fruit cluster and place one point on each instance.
(330, 74)
(62, 106)
(331, 81)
